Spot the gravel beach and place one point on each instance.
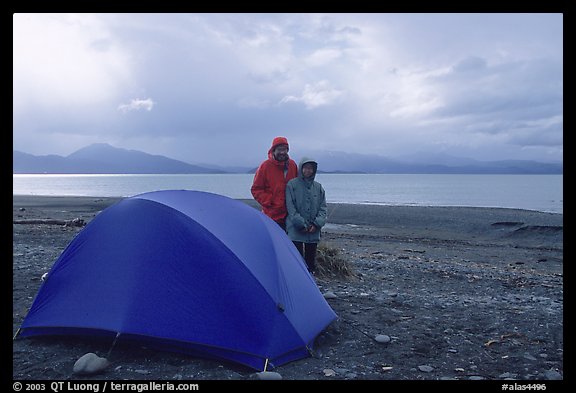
(439, 293)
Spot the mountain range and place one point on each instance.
(104, 158)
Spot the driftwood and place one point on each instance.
(77, 222)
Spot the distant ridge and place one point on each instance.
(342, 162)
(104, 158)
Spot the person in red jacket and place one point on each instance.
(269, 185)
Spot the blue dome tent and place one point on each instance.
(185, 271)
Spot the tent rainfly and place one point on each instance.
(185, 271)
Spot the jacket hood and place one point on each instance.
(279, 140)
(305, 160)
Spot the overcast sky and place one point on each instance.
(217, 88)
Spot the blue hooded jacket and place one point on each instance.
(306, 205)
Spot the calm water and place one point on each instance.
(532, 192)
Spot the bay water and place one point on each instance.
(532, 192)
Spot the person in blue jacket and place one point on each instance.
(306, 206)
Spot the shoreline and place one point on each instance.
(502, 225)
(26, 198)
(446, 222)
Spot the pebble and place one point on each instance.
(90, 364)
(426, 368)
(382, 338)
(330, 295)
(529, 357)
(268, 376)
(507, 375)
(553, 375)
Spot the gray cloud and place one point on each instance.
(472, 63)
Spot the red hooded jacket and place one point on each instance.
(269, 186)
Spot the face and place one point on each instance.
(280, 153)
(307, 170)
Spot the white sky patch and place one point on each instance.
(415, 100)
(64, 60)
(417, 107)
(316, 95)
(137, 104)
(323, 57)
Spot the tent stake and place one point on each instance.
(113, 344)
(266, 364)
(16, 334)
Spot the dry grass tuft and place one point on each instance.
(330, 264)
